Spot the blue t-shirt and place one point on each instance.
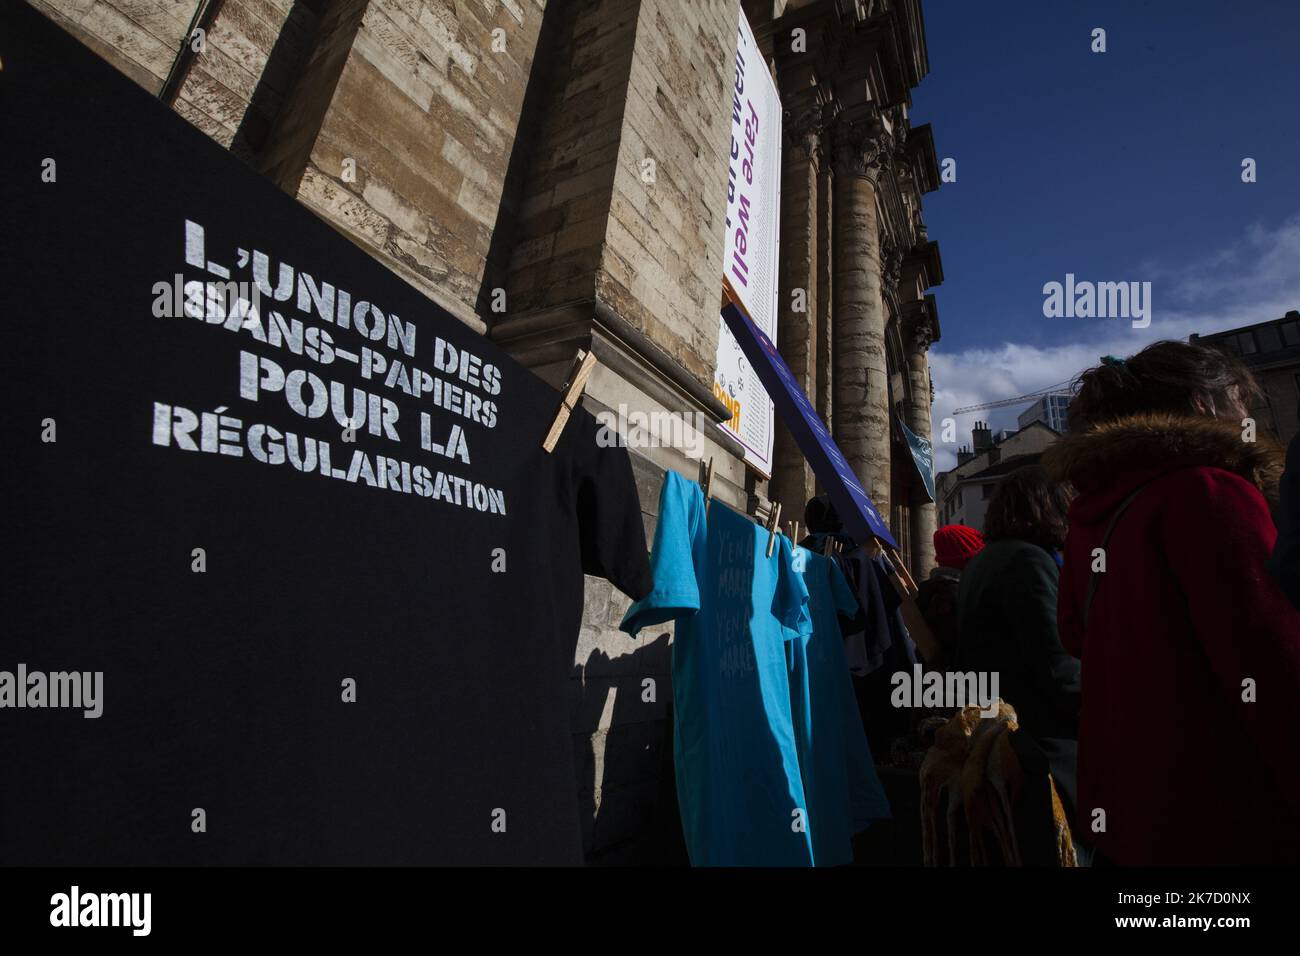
(739, 786)
(839, 776)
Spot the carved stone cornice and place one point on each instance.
(919, 227)
(920, 336)
(891, 266)
(805, 132)
(862, 145)
(923, 266)
(920, 324)
(900, 124)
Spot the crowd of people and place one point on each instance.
(1138, 593)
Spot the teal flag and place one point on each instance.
(923, 455)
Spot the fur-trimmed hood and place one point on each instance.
(1109, 459)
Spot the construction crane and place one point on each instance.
(1003, 403)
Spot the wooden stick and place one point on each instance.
(773, 522)
(895, 578)
(902, 570)
(731, 297)
(583, 365)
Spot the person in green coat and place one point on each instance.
(1006, 614)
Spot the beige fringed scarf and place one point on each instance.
(970, 782)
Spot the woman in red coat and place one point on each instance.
(1190, 712)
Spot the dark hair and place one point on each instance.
(1179, 378)
(1029, 506)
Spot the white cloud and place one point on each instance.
(1255, 279)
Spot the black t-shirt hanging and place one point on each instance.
(296, 582)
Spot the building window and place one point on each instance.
(1291, 333)
(1246, 341)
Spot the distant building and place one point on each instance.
(1050, 410)
(964, 492)
(1271, 350)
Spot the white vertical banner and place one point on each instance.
(750, 255)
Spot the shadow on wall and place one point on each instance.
(624, 755)
(623, 752)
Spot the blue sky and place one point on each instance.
(1115, 166)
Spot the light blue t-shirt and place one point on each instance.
(839, 776)
(739, 786)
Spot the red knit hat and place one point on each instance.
(955, 545)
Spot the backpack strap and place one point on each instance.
(1093, 576)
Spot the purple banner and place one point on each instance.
(859, 515)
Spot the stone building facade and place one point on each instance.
(1271, 350)
(964, 492)
(494, 153)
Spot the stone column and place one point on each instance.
(861, 390)
(825, 295)
(793, 482)
(919, 333)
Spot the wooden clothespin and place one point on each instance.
(794, 532)
(898, 564)
(828, 543)
(583, 365)
(773, 524)
(706, 482)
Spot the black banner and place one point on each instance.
(917, 906)
(292, 580)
